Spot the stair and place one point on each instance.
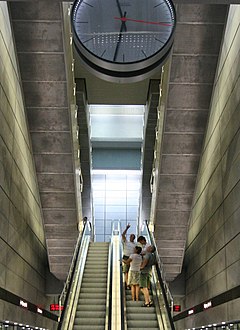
(138, 317)
(91, 308)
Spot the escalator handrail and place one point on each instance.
(163, 287)
(122, 289)
(161, 271)
(122, 295)
(63, 298)
(163, 284)
(117, 231)
(109, 291)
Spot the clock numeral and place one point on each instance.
(144, 53)
(87, 40)
(159, 40)
(161, 3)
(103, 53)
(88, 4)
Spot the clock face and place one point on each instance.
(123, 35)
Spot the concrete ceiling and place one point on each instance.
(43, 60)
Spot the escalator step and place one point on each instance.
(96, 257)
(93, 295)
(104, 250)
(89, 327)
(93, 291)
(95, 268)
(92, 285)
(91, 301)
(133, 304)
(147, 324)
(91, 308)
(93, 280)
(141, 298)
(93, 272)
(140, 310)
(149, 328)
(89, 321)
(142, 317)
(99, 308)
(97, 262)
(90, 314)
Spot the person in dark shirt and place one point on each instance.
(149, 259)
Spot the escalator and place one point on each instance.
(159, 315)
(91, 306)
(88, 294)
(138, 317)
(94, 298)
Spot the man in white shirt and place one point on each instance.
(128, 249)
(141, 241)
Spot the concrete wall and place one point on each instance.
(212, 258)
(23, 257)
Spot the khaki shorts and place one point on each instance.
(133, 278)
(144, 281)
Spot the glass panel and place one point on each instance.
(99, 208)
(99, 201)
(132, 208)
(113, 185)
(108, 229)
(113, 201)
(98, 185)
(112, 126)
(99, 238)
(99, 230)
(116, 215)
(131, 185)
(98, 193)
(116, 194)
(109, 220)
(131, 216)
(114, 208)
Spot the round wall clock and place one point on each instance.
(123, 40)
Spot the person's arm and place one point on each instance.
(127, 262)
(144, 262)
(144, 249)
(124, 233)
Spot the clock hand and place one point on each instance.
(125, 19)
(121, 14)
(119, 8)
(119, 38)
